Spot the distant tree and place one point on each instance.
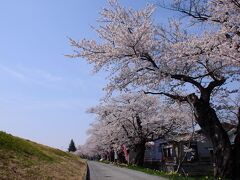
(72, 147)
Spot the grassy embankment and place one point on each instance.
(23, 159)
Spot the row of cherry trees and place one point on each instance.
(196, 65)
(132, 120)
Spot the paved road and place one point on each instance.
(100, 171)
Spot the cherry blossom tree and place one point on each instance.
(170, 61)
(220, 45)
(134, 120)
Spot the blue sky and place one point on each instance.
(43, 94)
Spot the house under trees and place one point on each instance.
(185, 154)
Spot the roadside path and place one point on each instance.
(101, 171)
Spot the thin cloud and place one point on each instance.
(40, 75)
(13, 73)
(31, 75)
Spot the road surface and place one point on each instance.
(101, 171)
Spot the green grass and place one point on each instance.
(24, 159)
(22, 148)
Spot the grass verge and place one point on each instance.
(168, 175)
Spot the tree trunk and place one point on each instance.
(236, 151)
(213, 130)
(140, 151)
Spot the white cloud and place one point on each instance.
(50, 91)
(31, 75)
(39, 74)
(44, 78)
(13, 73)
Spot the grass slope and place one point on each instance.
(23, 159)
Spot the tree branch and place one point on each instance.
(147, 57)
(176, 97)
(187, 79)
(214, 84)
